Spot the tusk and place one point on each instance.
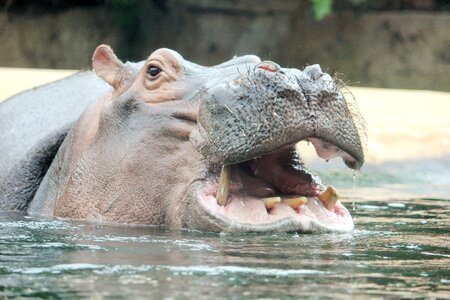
(295, 202)
(329, 197)
(270, 202)
(224, 186)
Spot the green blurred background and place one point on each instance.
(398, 43)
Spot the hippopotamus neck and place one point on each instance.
(108, 152)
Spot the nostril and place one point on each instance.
(269, 66)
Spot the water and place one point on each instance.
(399, 249)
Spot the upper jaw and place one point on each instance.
(237, 121)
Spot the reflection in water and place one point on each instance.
(400, 248)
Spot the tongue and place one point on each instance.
(281, 169)
(254, 186)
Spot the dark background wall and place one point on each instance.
(400, 43)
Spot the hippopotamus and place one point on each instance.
(172, 143)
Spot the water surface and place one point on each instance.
(400, 248)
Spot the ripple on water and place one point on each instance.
(41, 224)
(57, 269)
(177, 270)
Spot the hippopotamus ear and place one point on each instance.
(106, 65)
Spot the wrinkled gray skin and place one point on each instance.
(32, 127)
(131, 158)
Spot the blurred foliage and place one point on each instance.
(321, 8)
(125, 12)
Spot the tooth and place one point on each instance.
(295, 202)
(224, 186)
(270, 202)
(329, 197)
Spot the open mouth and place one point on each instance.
(276, 192)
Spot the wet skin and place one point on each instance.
(207, 148)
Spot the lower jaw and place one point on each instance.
(248, 214)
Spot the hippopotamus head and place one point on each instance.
(208, 148)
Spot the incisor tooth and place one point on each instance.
(295, 202)
(224, 186)
(270, 202)
(329, 197)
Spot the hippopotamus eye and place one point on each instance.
(153, 71)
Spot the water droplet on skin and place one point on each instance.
(353, 187)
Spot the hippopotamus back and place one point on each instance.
(33, 124)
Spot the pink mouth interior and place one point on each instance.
(281, 174)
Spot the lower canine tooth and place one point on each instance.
(329, 197)
(270, 202)
(224, 186)
(295, 202)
